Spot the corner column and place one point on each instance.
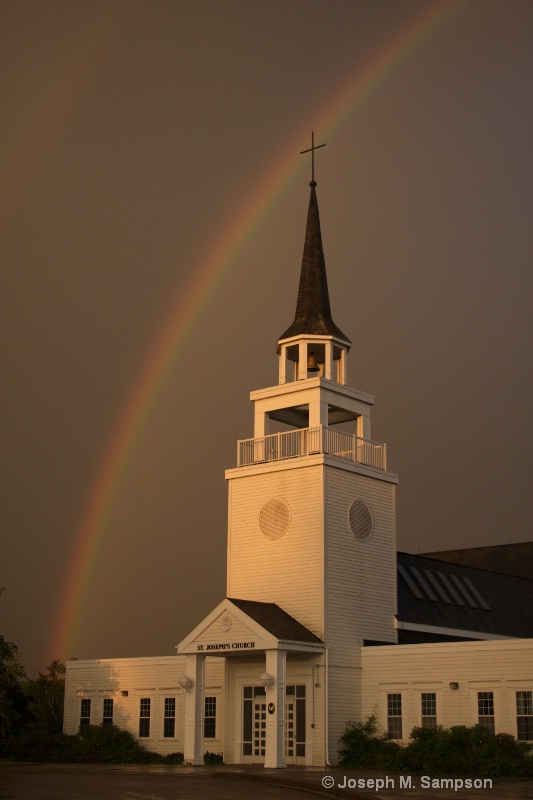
(194, 711)
(276, 667)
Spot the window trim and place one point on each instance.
(144, 717)
(85, 704)
(484, 718)
(435, 716)
(390, 717)
(167, 718)
(528, 717)
(210, 718)
(107, 719)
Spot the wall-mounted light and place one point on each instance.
(266, 680)
(185, 682)
(454, 685)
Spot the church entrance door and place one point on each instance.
(295, 725)
(254, 724)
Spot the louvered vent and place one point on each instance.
(275, 517)
(360, 520)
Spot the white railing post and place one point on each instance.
(307, 441)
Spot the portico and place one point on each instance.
(260, 642)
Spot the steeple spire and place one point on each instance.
(313, 312)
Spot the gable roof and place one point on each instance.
(450, 595)
(276, 621)
(242, 627)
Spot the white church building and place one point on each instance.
(335, 625)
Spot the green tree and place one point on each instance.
(12, 702)
(46, 697)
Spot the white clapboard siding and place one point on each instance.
(344, 704)
(360, 576)
(126, 681)
(288, 570)
(502, 666)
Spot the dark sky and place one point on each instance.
(132, 134)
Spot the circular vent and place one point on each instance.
(360, 519)
(274, 518)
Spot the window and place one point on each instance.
(169, 722)
(144, 717)
(210, 718)
(394, 716)
(485, 710)
(524, 716)
(107, 718)
(85, 712)
(429, 710)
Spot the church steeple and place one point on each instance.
(313, 343)
(313, 312)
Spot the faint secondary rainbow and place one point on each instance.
(209, 275)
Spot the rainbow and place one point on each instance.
(190, 308)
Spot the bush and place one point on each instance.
(364, 747)
(467, 750)
(98, 744)
(174, 758)
(107, 744)
(213, 758)
(458, 750)
(39, 746)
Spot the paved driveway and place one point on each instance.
(158, 782)
(98, 781)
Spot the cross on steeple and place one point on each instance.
(312, 151)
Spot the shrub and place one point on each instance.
(458, 750)
(213, 758)
(467, 750)
(108, 744)
(40, 746)
(364, 747)
(174, 758)
(99, 744)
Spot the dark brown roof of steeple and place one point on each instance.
(313, 313)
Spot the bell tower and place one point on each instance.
(311, 511)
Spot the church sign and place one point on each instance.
(226, 646)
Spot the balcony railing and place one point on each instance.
(309, 441)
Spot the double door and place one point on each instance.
(254, 723)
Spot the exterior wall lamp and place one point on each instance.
(185, 682)
(454, 685)
(266, 680)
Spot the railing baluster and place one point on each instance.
(306, 441)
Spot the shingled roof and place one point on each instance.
(313, 312)
(511, 559)
(451, 595)
(276, 621)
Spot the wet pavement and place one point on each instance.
(159, 782)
